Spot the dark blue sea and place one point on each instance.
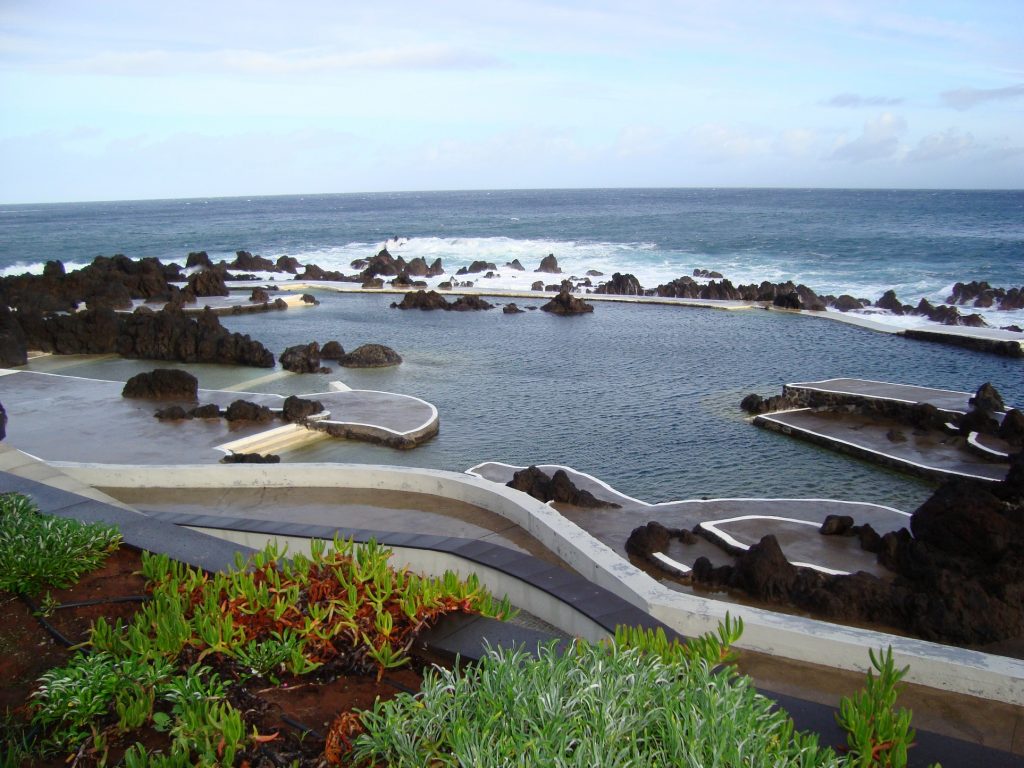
(644, 397)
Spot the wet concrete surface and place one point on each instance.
(943, 399)
(887, 441)
(800, 543)
(64, 418)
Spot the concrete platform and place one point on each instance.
(735, 523)
(64, 418)
(861, 390)
(924, 453)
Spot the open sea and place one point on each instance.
(645, 398)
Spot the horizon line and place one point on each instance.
(264, 196)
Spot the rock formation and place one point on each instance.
(621, 285)
(549, 264)
(567, 304)
(162, 384)
(558, 488)
(303, 358)
(371, 356)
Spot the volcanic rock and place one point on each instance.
(469, 303)
(298, 409)
(764, 572)
(512, 309)
(259, 296)
(209, 282)
(987, 398)
(477, 266)
(315, 272)
(251, 458)
(1012, 428)
(332, 350)
(753, 403)
(208, 411)
(425, 300)
(245, 410)
(303, 358)
(537, 286)
(288, 264)
(707, 273)
(622, 285)
(557, 488)
(168, 335)
(836, 525)
(162, 384)
(12, 340)
(198, 259)
(172, 413)
(549, 264)
(789, 300)
(308, 298)
(3, 422)
(371, 356)
(847, 303)
(647, 539)
(567, 304)
(246, 262)
(890, 302)
(514, 264)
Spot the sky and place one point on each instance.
(127, 99)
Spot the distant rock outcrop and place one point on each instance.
(549, 264)
(621, 285)
(303, 358)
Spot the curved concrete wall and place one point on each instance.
(938, 666)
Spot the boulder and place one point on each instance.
(511, 309)
(13, 350)
(964, 518)
(846, 303)
(538, 285)
(594, 273)
(245, 410)
(469, 303)
(246, 262)
(251, 458)
(890, 302)
(208, 411)
(308, 298)
(477, 266)
(303, 358)
(789, 300)
(288, 264)
(209, 282)
(707, 274)
(557, 488)
(644, 540)
(172, 413)
(374, 283)
(621, 285)
(259, 296)
(514, 264)
(162, 384)
(987, 398)
(753, 403)
(764, 572)
(567, 304)
(332, 350)
(298, 409)
(836, 525)
(315, 272)
(1012, 428)
(198, 259)
(425, 300)
(549, 264)
(371, 356)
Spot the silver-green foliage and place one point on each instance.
(597, 705)
(38, 551)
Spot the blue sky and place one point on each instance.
(114, 99)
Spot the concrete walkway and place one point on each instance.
(735, 523)
(64, 418)
(946, 400)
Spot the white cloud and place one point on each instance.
(937, 146)
(965, 98)
(718, 141)
(879, 139)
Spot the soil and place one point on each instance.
(298, 710)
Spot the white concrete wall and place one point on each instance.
(938, 666)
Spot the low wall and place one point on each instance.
(931, 664)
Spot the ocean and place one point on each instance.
(645, 398)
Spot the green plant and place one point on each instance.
(602, 704)
(39, 551)
(714, 648)
(877, 734)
